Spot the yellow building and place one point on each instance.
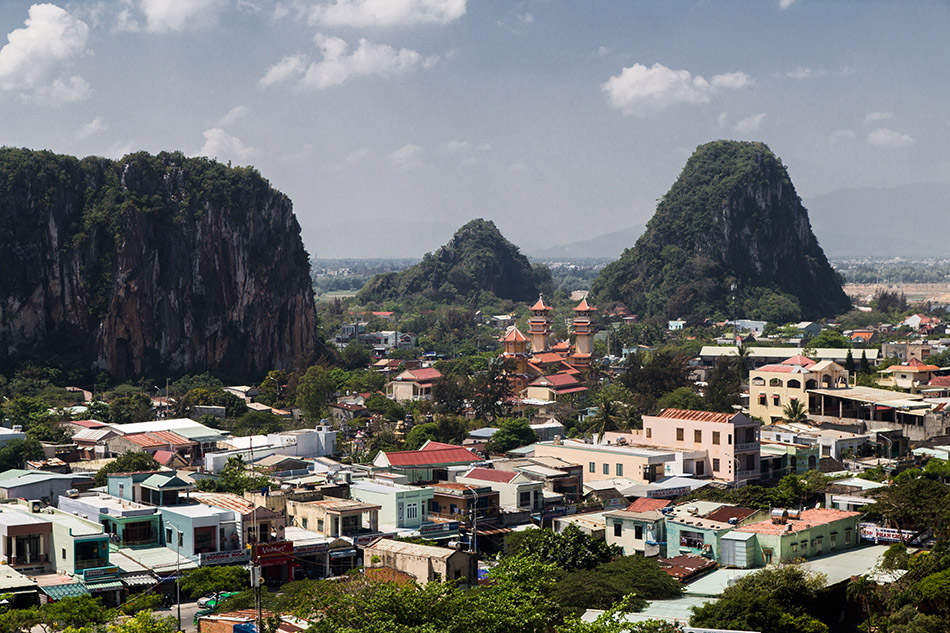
(772, 387)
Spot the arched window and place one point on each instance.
(826, 382)
(811, 384)
(794, 384)
(758, 381)
(775, 382)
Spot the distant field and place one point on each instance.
(939, 293)
(326, 297)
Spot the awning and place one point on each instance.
(346, 553)
(70, 590)
(139, 580)
(105, 585)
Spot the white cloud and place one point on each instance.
(93, 127)
(526, 18)
(884, 137)
(870, 117)
(337, 67)
(233, 115)
(750, 123)
(405, 156)
(35, 54)
(126, 22)
(784, 4)
(219, 144)
(386, 13)
(722, 119)
(357, 155)
(640, 90)
(731, 80)
(800, 73)
(163, 16)
(456, 145)
(602, 50)
(839, 136)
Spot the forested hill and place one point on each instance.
(732, 216)
(477, 259)
(149, 263)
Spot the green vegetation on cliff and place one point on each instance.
(732, 216)
(477, 259)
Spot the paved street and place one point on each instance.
(188, 610)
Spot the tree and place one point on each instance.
(207, 580)
(419, 435)
(722, 388)
(15, 453)
(864, 368)
(568, 550)
(682, 398)
(235, 478)
(73, 612)
(609, 416)
(511, 434)
(608, 583)
(256, 422)
(128, 462)
(493, 390)
(829, 338)
(660, 374)
(780, 599)
(795, 411)
(134, 407)
(145, 622)
(314, 390)
(849, 363)
(451, 392)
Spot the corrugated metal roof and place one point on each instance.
(436, 457)
(696, 416)
(71, 590)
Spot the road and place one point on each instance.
(188, 610)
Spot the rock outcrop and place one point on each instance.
(477, 259)
(732, 216)
(150, 263)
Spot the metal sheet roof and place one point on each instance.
(71, 590)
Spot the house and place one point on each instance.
(558, 476)
(850, 494)
(412, 384)
(399, 506)
(423, 562)
(154, 488)
(244, 392)
(198, 530)
(790, 535)
(319, 441)
(787, 458)
(675, 325)
(918, 322)
(205, 437)
(910, 375)
(832, 442)
(460, 502)
(515, 490)
(257, 524)
(807, 329)
(730, 442)
(640, 528)
(128, 524)
(639, 464)
(907, 350)
(773, 387)
(152, 442)
(697, 527)
(554, 387)
(334, 517)
(40, 485)
(426, 464)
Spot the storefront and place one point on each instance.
(104, 582)
(276, 560)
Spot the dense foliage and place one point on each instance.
(732, 217)
(477, 259)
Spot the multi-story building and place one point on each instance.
(773, 387)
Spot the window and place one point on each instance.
(767, 554)
(804, 546)
(834, 540)
(64, 553)
(304, 523)
(716, 437)
(729, 439)
(592, 467)
(524, 499)
(698, 437)
(692, 540)
(618, 528)
(847, 536)
(620, 470)
(776, 401)
(606, 469)
(650, 433)
(412, 510)
(122, 490)
(638, 532)
(700, 468)
(168, 536)
(762, 400)
(319, 525)
(794, 548)
(715, 464)
(679, 435)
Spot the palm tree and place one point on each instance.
(795, 411)
(609, 417)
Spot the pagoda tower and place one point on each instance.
(516, 348)
(539, 326)
(583, 333)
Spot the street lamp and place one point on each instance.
(473, 545)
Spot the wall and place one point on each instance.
(633, 466)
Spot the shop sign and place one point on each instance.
(366, 539)
(666, 493)
(98, 573)
(313, 548)
(269, 550)
(872, 532)
(436, 529)
(219, 558)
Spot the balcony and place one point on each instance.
(745, 474)
(747, 446)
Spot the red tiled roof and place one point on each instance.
(488, 474)
(583, 306)
(514, 334)
(646, 504)
(560, 379)
(778, 369)
(725, 513)
(157, 438)
(810, 518)
(457, 455)
(164, 457)
(939, 381)
(432, 445)
(570, 390)
(798, 359)
(89, 424)
(540, 305)
(425, 375)
(548, 357)
(915, 365)
(696, 416)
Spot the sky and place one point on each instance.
(390, 123)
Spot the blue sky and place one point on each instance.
(392, 122)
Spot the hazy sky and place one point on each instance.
(392, 122)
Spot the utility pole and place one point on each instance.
(178, 573)
(256, 581)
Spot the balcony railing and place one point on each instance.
(742, 474)
(748, 446)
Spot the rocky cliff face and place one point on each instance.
(150, 262)
(731, 216)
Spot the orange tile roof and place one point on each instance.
(646, 504)
(540, 305)
(809, 519)
(804, 361)
(583, 306)
(915, 365)
(514, 334)
(696, 416)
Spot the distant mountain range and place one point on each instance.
(607, 246)
(905, 221)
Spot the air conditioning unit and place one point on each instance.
(36, 506)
